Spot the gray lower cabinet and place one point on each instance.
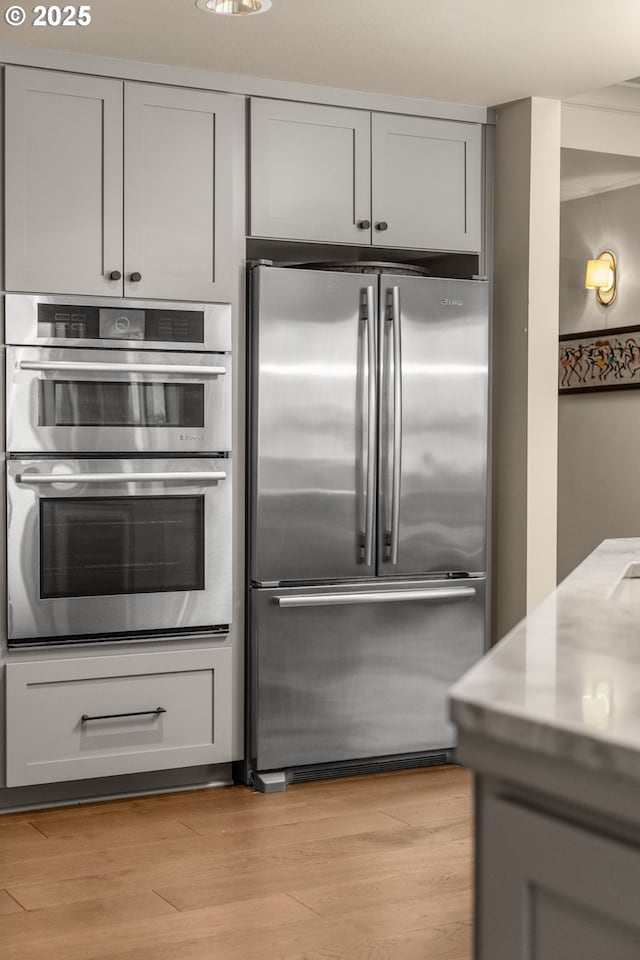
(426, 183)
(69, 229)
(550, 890)
(310, 172)
(63, 182)
(348, 176)
(102, 716)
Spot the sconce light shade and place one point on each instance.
(600, 276)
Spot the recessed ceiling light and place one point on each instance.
(237, 7)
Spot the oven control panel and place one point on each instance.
(111, 323)
(61, 321)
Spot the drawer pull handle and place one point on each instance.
(116, 716)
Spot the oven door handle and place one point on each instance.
(87, 366)
(201, 476)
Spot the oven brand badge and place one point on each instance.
(448, 302)
(190, 436)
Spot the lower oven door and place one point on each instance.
(125, 547)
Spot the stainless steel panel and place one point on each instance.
(32, 616)
(347, 681)
(22, 322)
(312, 406)
(442, 492)
(29, 367)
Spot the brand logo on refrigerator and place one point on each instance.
(448, 302)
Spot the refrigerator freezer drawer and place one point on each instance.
(340, 677)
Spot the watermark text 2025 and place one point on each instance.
(48, 16)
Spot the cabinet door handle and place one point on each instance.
(382, 225)
(117, 716)
(364, 224)
(135, 277)
(115, 275)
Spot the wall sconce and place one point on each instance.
(600, 276)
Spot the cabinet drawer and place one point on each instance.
(61, 723)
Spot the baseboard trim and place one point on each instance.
(41, 796)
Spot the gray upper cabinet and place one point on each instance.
(79, 221)
(426, 183)
(348, 176)
(63, 176)
(310, 172)
(179, 175)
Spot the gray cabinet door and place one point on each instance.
(552, 891)
(179, 177)
(310, 172)
(426, 178)
(63, 170)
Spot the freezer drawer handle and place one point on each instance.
(387, 596)
(87, 366)
(42, 478)
(117, 716)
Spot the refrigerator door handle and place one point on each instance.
(371, 429)
(397, 425)
(380, 596)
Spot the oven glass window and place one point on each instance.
(101, 546)
(77, 403)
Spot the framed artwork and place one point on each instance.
(599, 360)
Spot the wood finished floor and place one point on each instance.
(367, 868)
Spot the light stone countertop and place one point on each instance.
(565, 682)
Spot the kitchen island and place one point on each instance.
(549, 721)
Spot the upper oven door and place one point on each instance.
(84, 401)
(100, 547)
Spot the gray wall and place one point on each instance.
(598, 434)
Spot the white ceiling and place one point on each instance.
(481, 52)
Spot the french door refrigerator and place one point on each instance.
(368, 500)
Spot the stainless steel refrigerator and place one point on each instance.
(368, 503)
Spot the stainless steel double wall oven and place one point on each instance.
(118, 469)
